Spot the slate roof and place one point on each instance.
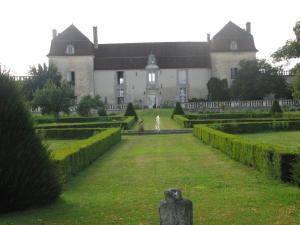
(231, 32)
(71, 35)
(168, 55)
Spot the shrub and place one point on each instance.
(177, 110)
(296, 171)
(27, 175)
(87, 103)
(275, 107)
(130, 111)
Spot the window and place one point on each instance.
(233, 72)
(120, 97)
(182, 95)
(151, 77)
(182, 77)
(120, 77)
(71, 77)
(70, 50)
(233, 45)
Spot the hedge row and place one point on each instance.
(272, 160)
(74, 158)
(127, 123)
(255, 127)
(76, 119)
(68, 133)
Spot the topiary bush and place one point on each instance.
(275, 108)
(130, 111)
(177, 110)
(27, 176)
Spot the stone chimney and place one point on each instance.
(95, 33)
(54, 33)
(208, 38)
(248, 27)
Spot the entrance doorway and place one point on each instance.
(151, 101)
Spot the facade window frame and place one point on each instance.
(70, 49)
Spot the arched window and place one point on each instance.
(233, 45)
(70, 50)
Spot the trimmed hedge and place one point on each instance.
(76, 119)
(74, 158)
(69, 133)
(127, 123)
(273, 160)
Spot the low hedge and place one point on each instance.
(76, 119)
(273, 160)
(127, 123)
(74, 158)
(68, 133)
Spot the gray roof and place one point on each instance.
(231, 32)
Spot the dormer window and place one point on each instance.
(233, 45)
(70, 50)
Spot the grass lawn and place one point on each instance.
(57, 144)
(148, 115)
(124, 187)
(286, 138)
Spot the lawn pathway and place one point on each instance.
(124, 187)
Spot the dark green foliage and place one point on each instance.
(177, 110)
(130, 111)
(87, 103)
(27, 176)
(256, 79)
(75, 158)
(54, 99)
(275, 107)
(296, 83)
(296, 171)
(40, 76)
(68, 133)
(77, 119)
(218, 89)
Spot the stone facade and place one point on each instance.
(149, 74)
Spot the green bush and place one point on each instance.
(296, 171)
(177, 110)
(76, 119)
(75, 158)
(87, 103)
(275, 107)
(27, 176)
(130, 111)
(68, 133)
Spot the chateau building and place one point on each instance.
(149, 73)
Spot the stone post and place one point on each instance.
(175, 210)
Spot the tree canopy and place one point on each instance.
(87, 103)
(218, 89)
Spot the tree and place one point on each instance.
(27, 175)
(218, 89)
(275, 107)
(87, 103)
(291, 49)
(54, 99)
(177, 110)
(256, 79)
(130, 111)
(40, 75)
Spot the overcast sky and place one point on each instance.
(26, 26)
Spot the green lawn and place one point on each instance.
(57, 144)
(124, 187)
(286, 138)
(149, 116)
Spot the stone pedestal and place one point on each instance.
(175, 210)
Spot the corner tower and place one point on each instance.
(73, 55)
(228, 47)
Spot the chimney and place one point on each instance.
(54, 33)
(95, 33)
(208, 38)
(248, 27)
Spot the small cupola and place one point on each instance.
(152, 63)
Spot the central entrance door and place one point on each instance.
(152, 101)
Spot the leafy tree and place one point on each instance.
(256, 79)
(54, 99)
(275, 107)
(296, 84)
(291, 49)
(40, 75)
(218, 89)
(27, 176)
(130, 111)
(177, 110)
(87, 103)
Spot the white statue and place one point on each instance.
(157, 123)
